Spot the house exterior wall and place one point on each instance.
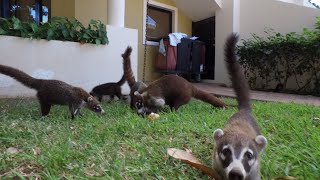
(85, 10)
(225, 25)
(256, 17)
(63, 8)
(134, 19)
(84, 65)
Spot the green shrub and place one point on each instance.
(271, 62)
(59, 28)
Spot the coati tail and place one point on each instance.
(122, 81)
(209, 98)
(20, 76)
(127, 67)
(239, 82)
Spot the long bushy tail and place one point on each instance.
(209, 98)
(122, 80)
(239, 82)
(20, 76)
(127, 67)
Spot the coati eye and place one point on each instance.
(248, 155)
(226, 152)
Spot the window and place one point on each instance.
(26, 10)
(161, 21)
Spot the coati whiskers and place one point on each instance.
(239, 144)
(51, 92)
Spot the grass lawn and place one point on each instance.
(122, 145)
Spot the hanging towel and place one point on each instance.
(162, 49)
(175, 38)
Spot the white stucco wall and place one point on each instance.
(84, 65)
(225, 24)
(259, 15)
(256, 17)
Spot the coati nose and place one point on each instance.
(102, 111)
(235, 174)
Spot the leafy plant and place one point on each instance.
(271, 62)
(59, 28)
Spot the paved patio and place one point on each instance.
(259, 95)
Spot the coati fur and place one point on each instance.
(133, 84)
(173, 91)
(239, 144)
(51, 92)
(111, 89)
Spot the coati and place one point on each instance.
(112, 89)
(133, 84)
(50, 92)
(174, 91)
(239, 144)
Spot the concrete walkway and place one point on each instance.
(259, 95)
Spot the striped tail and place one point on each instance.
(20, 76)
(208, 98)
(239, 82)
(122, 81)
(127, 67)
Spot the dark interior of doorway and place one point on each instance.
(205, 30)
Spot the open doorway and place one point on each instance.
(205, 30)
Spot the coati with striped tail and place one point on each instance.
(173, 91)
(133, 84)
(111, 89)
(51, 92)
(239, 144)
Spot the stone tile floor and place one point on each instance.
(259, 95)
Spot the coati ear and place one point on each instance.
(217, 134)
(136, 93)
(90, 98)
(261, 141)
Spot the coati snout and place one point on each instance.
(237, 155)
(146, 104)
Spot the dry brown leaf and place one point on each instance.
(191, 160)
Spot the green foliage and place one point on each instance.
(59, 28)
(123, 145)
(271, 62)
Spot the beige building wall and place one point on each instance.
(85, 10)
(63, 8)
(134, 19)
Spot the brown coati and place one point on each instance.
(133, 84)
(173, 91)
(111, 89)
(239, 144)
(51, 92)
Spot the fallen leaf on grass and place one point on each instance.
(191, 160)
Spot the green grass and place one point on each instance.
(122, 145)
